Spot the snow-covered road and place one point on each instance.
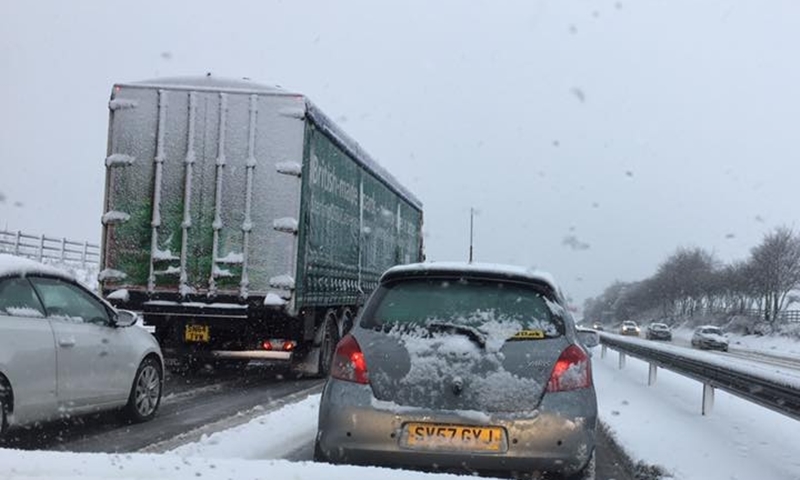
(659, 424)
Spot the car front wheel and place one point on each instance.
(145, 396)
(2, 416)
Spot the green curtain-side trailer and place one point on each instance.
(242, 222)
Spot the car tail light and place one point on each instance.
(266, 345)
(348, 362)
(572, 371)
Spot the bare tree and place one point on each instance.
(691, 282)
(776, 269)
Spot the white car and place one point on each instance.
(709, 337)
(629, 328)
(64, 351)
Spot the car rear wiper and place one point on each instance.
(471, 332)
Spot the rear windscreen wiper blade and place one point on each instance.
(471, 332)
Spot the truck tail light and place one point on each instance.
(571, 372)
(349, 363)
(278, 344)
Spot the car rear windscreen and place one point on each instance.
(467, 302)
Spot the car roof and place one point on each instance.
(704, 327)
(11, 265)
(477, 270)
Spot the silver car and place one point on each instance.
(709, 337)
(64, 351)
(462, 367)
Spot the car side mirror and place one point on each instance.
(125, 318)
(589, 338)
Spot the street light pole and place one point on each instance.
(471, 216)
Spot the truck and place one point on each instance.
(243, 223)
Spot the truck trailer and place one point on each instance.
(243, 223)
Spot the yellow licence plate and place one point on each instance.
(197, 333)
(436, 436)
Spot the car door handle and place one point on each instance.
(66, 342)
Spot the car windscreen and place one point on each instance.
(712, 330)
(465, 302)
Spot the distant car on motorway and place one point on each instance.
(462, 367)
(710, 337)
(598, 326)
(629, 327)
(658, 331)
(64, 351)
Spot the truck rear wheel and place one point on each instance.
(346, 321)
(327, 347)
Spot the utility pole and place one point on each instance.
(471, 216)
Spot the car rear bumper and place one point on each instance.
(356, 428)
(659, 336)
(713, 345)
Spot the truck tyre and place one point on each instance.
(346, 321)
(327, 346)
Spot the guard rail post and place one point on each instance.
(653, 375)
(708, 398)
(621, 360)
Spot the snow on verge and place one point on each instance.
(662, 425)
(38, 465)
(273, 435)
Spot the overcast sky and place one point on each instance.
(593, 137)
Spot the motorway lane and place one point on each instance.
(735, 351)
(188, 404)
(207, 402)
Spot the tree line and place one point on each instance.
(693, 282)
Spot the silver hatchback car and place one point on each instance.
(64, 351)
(462, 367)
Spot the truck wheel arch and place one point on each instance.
(346, 319)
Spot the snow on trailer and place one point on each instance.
(230, 192)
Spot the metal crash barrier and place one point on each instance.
(765, 390)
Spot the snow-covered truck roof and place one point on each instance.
(323, 122)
